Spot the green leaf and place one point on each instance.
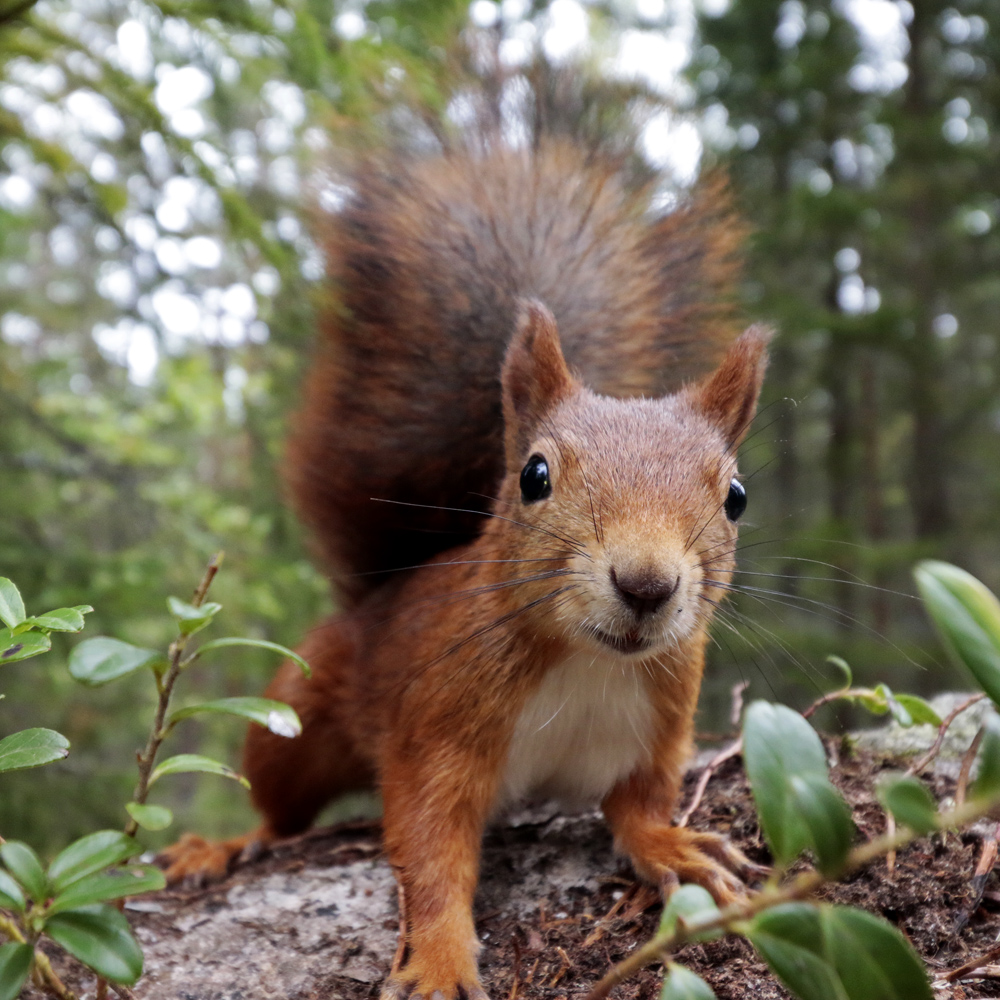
(15, 965)
(185, 762)
(790, 939)
(11, 605)
(987, 783)
(11, 897)
(99, 936)
(844, 667)
(967, 616)
(873, 960)
(687, 904)
(899, 713)
(32, 748)
(872, 702)
(909, 801)
(113, 883)
(828, 819)
(260, 644)
(150, 817)
(24, 865)
(920, 711)
(23, 645)
(62, 619)
(777, 745)
(274, 715)
(97, 661)
(837, 953)
(191, 619)
(683, 984)
(90, 854)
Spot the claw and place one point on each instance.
(393, 989)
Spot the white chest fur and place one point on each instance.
(586, 727)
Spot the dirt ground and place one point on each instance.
(559, 944)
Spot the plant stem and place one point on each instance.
(804, 884)
(11, 930)
(166, 686)
(52, 982)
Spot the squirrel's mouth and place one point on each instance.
(631, 642)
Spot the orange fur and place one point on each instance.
(554, 642)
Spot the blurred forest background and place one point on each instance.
(157, 283)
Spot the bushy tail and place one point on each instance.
(398, 444)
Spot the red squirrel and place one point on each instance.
(517, 451)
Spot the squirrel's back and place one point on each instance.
(428, 258)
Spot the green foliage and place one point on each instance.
(829, 952)
(273, 715)
(687, 904)
(987, 783)
(68, 901)
(99, 936)
(683, 984)
(189, 763)
(797, 805)
(910, 802)
(15, 966)
(967, 617)
(150, 817)
(101, 660)
(32, 748)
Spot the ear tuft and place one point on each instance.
(535, 377)
(728, 397)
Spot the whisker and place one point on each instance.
(432, 564)
(486, 513)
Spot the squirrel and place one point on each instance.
(517, 452)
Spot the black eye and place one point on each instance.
(535, 484)
(736, 502)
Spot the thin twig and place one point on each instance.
(801, 886)
(166, 687)
(946, 722)
(987, 859)
(733, 750)
(400, 956)
(972, 965)
(515, 986)
(52, 982)
(966, 768)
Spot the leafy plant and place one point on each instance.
(818, 950)
(68, 902)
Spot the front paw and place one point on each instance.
(668, 856)
(404, 989)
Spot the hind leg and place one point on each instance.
(291, 780)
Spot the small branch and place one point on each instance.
(946, 722)
(972, 965)
(52, 982)
(966, 768)
(403, 937)
(9, 929)
(515, 986)
(801, 886)
(733, 750)
(176, 661)
(987, 859)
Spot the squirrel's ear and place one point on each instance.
(728, 397)
(535, 377)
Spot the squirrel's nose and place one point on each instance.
(644, 592)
